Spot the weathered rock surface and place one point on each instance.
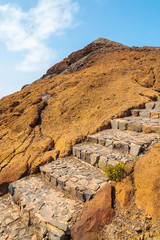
(50, 204)
(45, 119)
(79, 59)
(96, 214)
(125, 192)
(147, 182)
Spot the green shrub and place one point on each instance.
(156, 97)
(115, 173)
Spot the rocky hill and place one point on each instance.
(77, 97)
(78, 60)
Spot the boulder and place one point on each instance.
(95, 215)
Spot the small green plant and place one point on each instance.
(115, 173)
(156, 97)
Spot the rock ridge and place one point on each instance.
(83, 55)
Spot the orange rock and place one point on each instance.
(129, 168)
(147, 129)
(52, 114)
(124, 191)
(147, 183)
(81, 54)
(154, 115)
(94, 216)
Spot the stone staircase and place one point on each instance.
(42, 206)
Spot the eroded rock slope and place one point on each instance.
(42, 121)
(73, 199)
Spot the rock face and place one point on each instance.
(147, 182)
(68, 65)
(45, 119)
(125, 192)
(56, 203)
(96, 214)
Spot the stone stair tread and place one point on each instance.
(149, 113)
(146, 110)
(153, 105)
(137, 124)
(74, 177)
(140, 120)
(125, 136)
(11, 224)
(48, 209)
(98, 155)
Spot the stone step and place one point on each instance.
(11, 224)
(137, 124)
(99, 156)
(153, 105)
(44, 208)
(148, 113)
(126, 141)
(73, 176)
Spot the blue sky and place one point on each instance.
(36, 34)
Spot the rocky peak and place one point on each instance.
(107, 42)
(78, 60)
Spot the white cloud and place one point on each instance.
(29, 31)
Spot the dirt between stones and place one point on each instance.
(131, 223)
